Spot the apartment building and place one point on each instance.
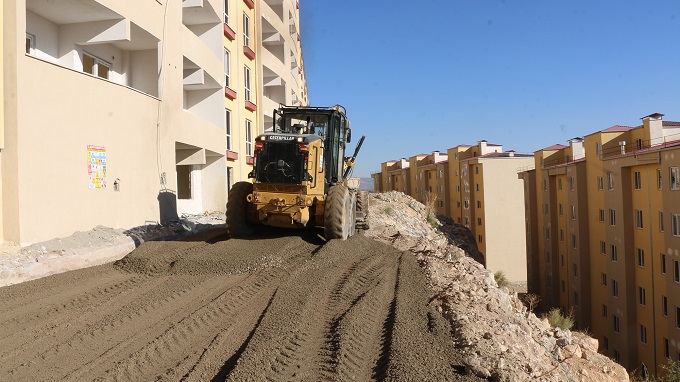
(145, 109)
(476, 186)
(623, 254)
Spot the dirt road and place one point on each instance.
(278, 308)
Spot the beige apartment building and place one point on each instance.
(476, 186)
(143, 110)
(622, 259)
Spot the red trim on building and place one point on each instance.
(251, 106)
(229, 93)
(232, 155)
(250, 160)
(298, 37)
(297, 5)
(248, 52)
(250, 3)
(228, 32)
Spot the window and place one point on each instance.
(96, 66)
(561, 234)
(643, 334)
(601, 216)
(661, 228)
(476, 169)
(659, 181)
(227, 69)
(249, 138)
(598, 148)
(610, 177)
(545, 184)
(545, 208)
(246, 30)
(612, 217)
(547, 233)
(603, 248)
(638, 144)
(246, 81)
(663, 263)
(664, 305)
(677, 317)
(615, 255)
(675, 220)
(479, 204)
(573, 212)
(571, 183)
(457, 188)
(559, 184)
(30, 43)
(230, 178)
(676, 271)
(441, 174)
(575, 298)
(458, 204)
(564, 286)
(666, 348)
(562, 259)
(615, 288)
(575, 268)
(227, 127)
(429, 175)
(603, 277)
(642, 296)
(573, 241)
(226, 11)
(600, 183)
(617, 324)
(479, 221)
(479, 237)
(617, 356)
(605, 343)
(637, 180)
(675, 178)
(466, 204)
(477, 185)
(641, 257)
(560, 208)
(604, 311)
(638, 219)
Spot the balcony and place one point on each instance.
(248, 52)
(251, 106)
(229, 93)
(229, 33)
(201, 93)
(88, 37)
(627, 147)
(203, 20)
(249, 3)
(232, 155)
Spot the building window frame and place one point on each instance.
(662, 258)
(675, 220)
(601, 215)
(642, 296)
(96, 63)
(674, 179)
(614, 253)
(603, 279)
(249, 137)
(610, 178)
(227, 127)
(637, 180)
(612, 217)
(246, 30)
(600, 183)
(246, 82)
(227, 68)
(641, 257)
(226, 12)
(638, 219)
(617, 324)
(615, 288)
(30, 44)
(659, 178)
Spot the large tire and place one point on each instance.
(362, 207)
(237, 209)
(336, 214)
(352, 221)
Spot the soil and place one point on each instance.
(285, 306)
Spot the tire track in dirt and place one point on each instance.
(282, 307)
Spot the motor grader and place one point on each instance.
(300, 177)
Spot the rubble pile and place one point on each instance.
(499, 337)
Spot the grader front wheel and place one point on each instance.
(337, 213)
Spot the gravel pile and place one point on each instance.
(499, 337)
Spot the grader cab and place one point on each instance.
(300, 177)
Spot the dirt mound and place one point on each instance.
(498, 337)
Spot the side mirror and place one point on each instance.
(349, 136)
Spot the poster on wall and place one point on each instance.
(96, 167)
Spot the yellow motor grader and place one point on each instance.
(300, 177)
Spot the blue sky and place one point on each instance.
(419, 76)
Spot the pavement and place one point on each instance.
(94, 247)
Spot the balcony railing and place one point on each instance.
(563, 160)
(640, 145)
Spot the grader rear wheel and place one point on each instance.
(337, 214)
(237, 208)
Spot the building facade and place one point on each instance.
(145, 110)
(476, 186)
(621, 269)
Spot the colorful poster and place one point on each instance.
(96, 167)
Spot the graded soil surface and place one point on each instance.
(284, 306)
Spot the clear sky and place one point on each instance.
(419, 76)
